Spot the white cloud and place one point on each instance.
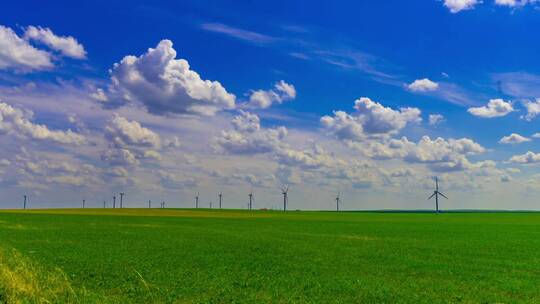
(494, 108)
(343, 126)
(164, 84)
(514, 3)
(17, 54)
(316, 157)
(238, 33)
(130, 142)
(249, 138)
(435, 119)
(440, 154)
(456, 6)
(15, 121)
(246, 122)
(119, 157)
(536, 135)
(99, 95)
(533, 109)
(123, 132)
(371, 118)
(514, 139)
(66, 45)
(527, 158)
(377, 119)
(423, 85)
(263, 99)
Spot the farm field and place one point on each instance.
(233, 256)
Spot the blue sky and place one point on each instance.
(229, 95)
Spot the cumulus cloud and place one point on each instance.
(527, 158)
(316, 157)
(130, 142)
(456, 6)
(17, 54)
(343, 126)
(440, 154)
(120, 157)
(99, 95)
(40, 171)
(164, 84)
(371, 119)
(246, 122)
(533, 109)
(248, 137)
(423, 85)
(435, 119)
(514, 139)
(66, 45)
(377, 119)
(123, 132)
(18, 122)
(263, 99)
(494, 108)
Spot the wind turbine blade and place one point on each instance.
(443, 195)
(432, 195)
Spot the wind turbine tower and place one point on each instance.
(436, 193)
(149, 204)
(121, 199)
(114, 201)
(285, 192)
(337, 201)
(24, 203)
(250, 200)
(83, 201)
(220, 199)
(197, 200)
(104, 204)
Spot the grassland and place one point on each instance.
(210, 256)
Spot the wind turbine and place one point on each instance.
(250, 206)
(285, 191)
(436, 193)
(104, 204)
(197, 200)
(114, 201)
(220, 198)
(337, 201)
(149, 204)
(83, 201)
(24, 203)
(121, 199)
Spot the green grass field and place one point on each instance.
(210, 256)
